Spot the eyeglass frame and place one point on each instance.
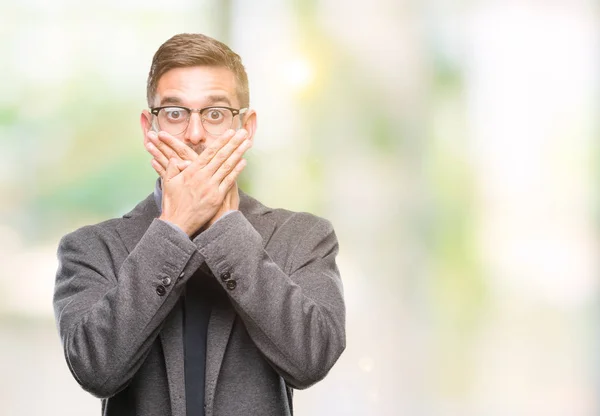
(234, 112)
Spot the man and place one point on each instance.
(200, 301)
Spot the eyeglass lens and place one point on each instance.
(175, 120)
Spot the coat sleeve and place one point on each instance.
(109, 311)
(294, 312)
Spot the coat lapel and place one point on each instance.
(171, 337)
(255, 212)
(219, 329)
(137, 222)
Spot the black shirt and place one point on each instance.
(199, 294)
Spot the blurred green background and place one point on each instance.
(452, 144)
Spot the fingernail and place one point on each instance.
(244, 133)
(152, 135)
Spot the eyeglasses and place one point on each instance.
(215, 120)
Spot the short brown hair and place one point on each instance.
(194, 49)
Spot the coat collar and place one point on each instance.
(137, 221)
(131, 230)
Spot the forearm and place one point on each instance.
(109, 322)
(294, 314)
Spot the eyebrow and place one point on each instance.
(214, 99)
(170, 100)
(211, 100)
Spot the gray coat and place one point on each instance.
(279, 324)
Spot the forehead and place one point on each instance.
(197, 86)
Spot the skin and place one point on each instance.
(198, 170)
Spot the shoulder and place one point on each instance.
(109, 228)
(300, 222)
(93, 230)
(103, 234)
(284, 219)
(297, 236)
(301, 237)
(106, 233)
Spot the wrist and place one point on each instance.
(183, 226)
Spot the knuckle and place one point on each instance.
(213, 199)
(204, 194)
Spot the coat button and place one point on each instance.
(231, 284)
(166, 281)
(226, 276)
(160, 290)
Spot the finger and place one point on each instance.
(180, 150)
(161, 146)
(232, 161)
(172, 169)
(157, 154)
(230, 179)
(158, 168)
(207, 154)
(222, 155)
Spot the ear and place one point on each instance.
(146, 123)
(249, 123)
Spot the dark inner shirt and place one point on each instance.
(199, 294)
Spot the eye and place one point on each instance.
(214, 115)
(175, 114)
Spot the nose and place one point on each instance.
(195, 132)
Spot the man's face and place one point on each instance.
(195, 87)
